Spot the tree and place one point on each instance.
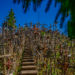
(66, 7)
(11, 20)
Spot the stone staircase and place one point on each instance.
(28, 64)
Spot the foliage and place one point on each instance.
(11, 20)
(26, 4)
(66, 7)
(42, 33)
(53, 73)
(13, 73)
(57, 55)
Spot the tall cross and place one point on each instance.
(50, 26)
(56, 26)
(38, 25)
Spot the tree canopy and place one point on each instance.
(10, 20)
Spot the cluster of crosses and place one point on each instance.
(50, 48)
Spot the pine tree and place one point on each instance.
(11, 20)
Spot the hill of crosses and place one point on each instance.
(36, 50)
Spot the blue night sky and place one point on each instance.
(31, 16)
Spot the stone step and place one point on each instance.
(28, 50)
(28, 54)
(27, 60)
(29, 72)
(29, 67)
(27, 57)
(28, 63)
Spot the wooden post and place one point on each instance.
(5, 63)
(3, 35)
